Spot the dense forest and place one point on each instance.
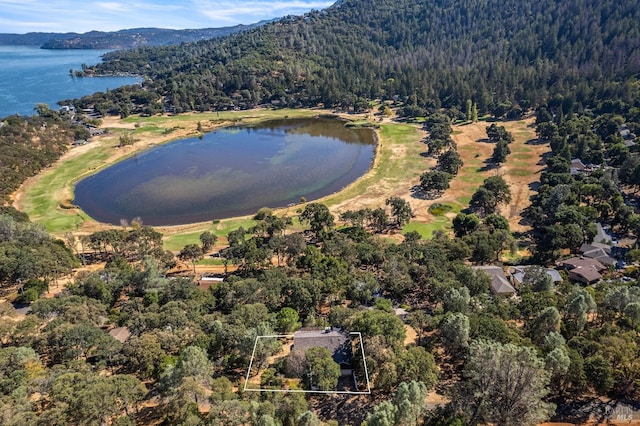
(502, 55)
(129, 341)
(29, 144)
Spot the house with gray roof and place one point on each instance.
(600, 248)
(595, 246)
(519, 272)
(337, 342)
(601, 256)
(500, 285)
(584, 270)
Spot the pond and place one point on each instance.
(230, 172)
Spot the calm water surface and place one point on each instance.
(229, 172)
(29, 75)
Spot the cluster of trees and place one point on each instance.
(502, 138)
(132, 245)
(440, 145)
(569, 202)
(493, 192)
(488, 237)
(355, 51)
(29, 257)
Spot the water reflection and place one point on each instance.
(229, 172)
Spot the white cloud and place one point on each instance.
(113, 7)
(109, 15)
(238, 11)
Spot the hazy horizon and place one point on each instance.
(64, 16)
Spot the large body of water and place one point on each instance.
(29, 75)
(230, 172)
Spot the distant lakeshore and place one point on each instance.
(31, 75)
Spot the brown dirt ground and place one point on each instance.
(411, 335)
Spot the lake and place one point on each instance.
(229, 172)
(29, 75)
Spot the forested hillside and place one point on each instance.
(515, 53)
(123, 39)
(29, 144)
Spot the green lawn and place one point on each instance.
(42, 199)
(426, 230)
(388, 167)
(177, 240)
(210, 262)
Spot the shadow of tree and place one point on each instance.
(535, 141)
(420, 194)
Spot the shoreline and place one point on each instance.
(210, 121)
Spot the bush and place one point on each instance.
(31, 291)
(263, 213)
(439, 209)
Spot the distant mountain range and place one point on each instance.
(123, 39)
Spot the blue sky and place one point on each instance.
(22, 16)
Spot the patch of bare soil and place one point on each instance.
(410, 334)
(435, 399)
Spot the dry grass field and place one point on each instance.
(521, 171)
